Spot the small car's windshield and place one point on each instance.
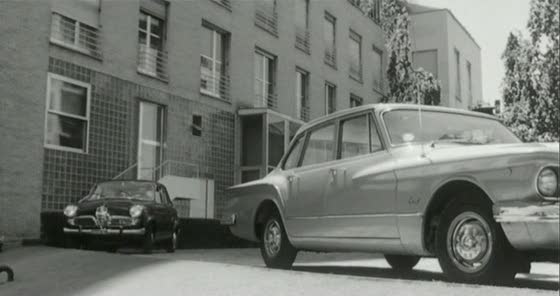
(123, 189)
(404, 127)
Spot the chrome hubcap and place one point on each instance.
(272, 238)
(469, 242)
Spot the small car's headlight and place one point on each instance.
(547, 182)
(136, 211)
(70, 211)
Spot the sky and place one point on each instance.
(489, 22)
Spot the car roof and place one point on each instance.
(128, 180)
(388, 107)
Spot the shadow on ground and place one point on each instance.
(533, 281)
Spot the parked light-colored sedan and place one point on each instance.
(409, 182)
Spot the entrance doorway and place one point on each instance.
(150, 140)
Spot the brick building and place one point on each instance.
(202, 92)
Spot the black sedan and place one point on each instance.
(124, 212)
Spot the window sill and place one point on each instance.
(214, 96)
(357, 79)
(65, 149)
(76, 49)
(150, 75)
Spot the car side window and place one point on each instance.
(375, 140)
(293, 158)
(165, 196)
(320, 146)
(355, 137)
(158, 196)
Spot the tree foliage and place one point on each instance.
(531, 85)
(406, 84)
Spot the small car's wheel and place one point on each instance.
(171, 244)
(471, 246)
(149, 240)
(276, 250)
(402, 262)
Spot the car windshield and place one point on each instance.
(404, 127)
(123, 189)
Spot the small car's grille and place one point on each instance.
(120, 221)
(85, 221)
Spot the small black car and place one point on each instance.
(124, 212)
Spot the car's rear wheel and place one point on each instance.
(276, 249)
(471, 246)
(171, 244)
(402, 262)
(149, 240)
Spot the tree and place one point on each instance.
(531, 83)
(406, 85)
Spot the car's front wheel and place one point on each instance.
(402, 262)
(471, 246)
(171, 244)
(276, 249)
(149, 240)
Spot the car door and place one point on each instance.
(360, 199)
(307, 181)
(170, 211)
(161, 216)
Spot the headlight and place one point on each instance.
(136, 211)
(547, 182)
(70, 211)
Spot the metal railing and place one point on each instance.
(330, 56)
(152, 62)
(303, 39)
(266, 101)
(225, 3)
(266, 18)
(305, 113)
(75, 35)
(217, 86)
(125, 172)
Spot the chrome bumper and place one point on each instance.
(139, 231)
(530, 227)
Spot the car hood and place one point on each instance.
(114, 206)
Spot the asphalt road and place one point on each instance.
(50, 271)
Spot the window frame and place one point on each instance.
(355, 97)
(77, 33)
(148, 30)
(308, 133)
(216, 33)
(327, 104)
(329, 18)
(371, 123)
(355, 37)
(378, 85)
(458, 89)
(50, 77)
(302, 91)
(469, 77)
(271, 83)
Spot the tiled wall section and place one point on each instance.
(113, 134)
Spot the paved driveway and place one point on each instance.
(51, 271)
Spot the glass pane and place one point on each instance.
(275, 140)
(377, 68)
(206, 42)
(259, 70)
(156, 26)
(66, 132)
(143, 21)
(330, 92)
(248, 176)
(355, 137)
(404, 127)
(293, 158)
(142, 39)
(151, 122)
(252, 141)
(320, 146)
(294, 127)
(328, 33)
(68, 98)
(219, 47)
(301, 13)
(155, 43)
(149, 161)
(374, 136)
(64, 28)
(354, 54)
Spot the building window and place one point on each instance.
(224, 3)
(67, 113)
(152, 59)
(265, 92)
(302, 26)
(377, 69)
(458, 75)
(214, 80)
(302, 94)
(355, 101)
(330, 98)
(427, 60)
(355, 56)
(266, 16)
(469, 76)
(75, 35)
(329, 37)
